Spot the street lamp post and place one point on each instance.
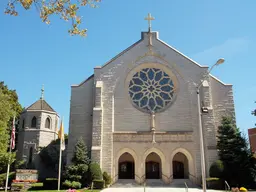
(220, 61)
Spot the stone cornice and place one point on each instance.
(174, 136)
(38, 130)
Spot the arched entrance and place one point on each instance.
(180, 166)
(126, 166)
(153, 166)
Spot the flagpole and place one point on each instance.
(9, 159)
(60, 158)
(8, 169)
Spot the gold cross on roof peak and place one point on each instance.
(149, 18)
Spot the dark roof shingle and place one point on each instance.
(41, 105)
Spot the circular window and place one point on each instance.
(151, 89)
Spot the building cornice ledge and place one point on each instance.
(218, 80)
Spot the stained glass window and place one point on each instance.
(151, 89)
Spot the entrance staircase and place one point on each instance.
(154, 183)
(180, 183)
(125, 183)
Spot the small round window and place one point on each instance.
(151, 89)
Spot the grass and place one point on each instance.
(37, 187)
(63, 190)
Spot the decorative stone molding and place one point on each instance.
(96, 147)
(147, 136)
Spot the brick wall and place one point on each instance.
(252, 139)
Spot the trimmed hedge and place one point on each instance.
(3, 178)
(214, 183)
(17, 187)
(107, 178)
(67, 184)
(74, 185)
(98, 184)
(217, 169)
(95, 171)
(50, 183)
(36, 186)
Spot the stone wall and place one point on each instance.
(178, 117)
(113, 111)
(139, 146)
(81, 114)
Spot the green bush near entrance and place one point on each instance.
(3, 178)
(214, 183)
(95, 171)
(50, 183)
(217, 169)
(98, 184)
(107, 179)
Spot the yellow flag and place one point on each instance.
(61, 136)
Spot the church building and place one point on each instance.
(37, 129)
(138, 113)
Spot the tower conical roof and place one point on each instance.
(41, 104)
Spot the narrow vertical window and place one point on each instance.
(30, 155)
(33, 122)
(23, 123)
(48, 123)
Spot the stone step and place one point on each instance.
(176, 183)
(125, 183)
(156, 183)
(180, 183)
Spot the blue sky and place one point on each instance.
(33, 53)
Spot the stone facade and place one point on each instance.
(103, 112)
(37, 129)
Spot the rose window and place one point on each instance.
(151, 89)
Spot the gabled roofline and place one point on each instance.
(166, 44)
(78, 85)
(172, 48)
(41, 110)
(221, 82)
(157, 38)
(161, 41)
(124, 51)
(114, 58)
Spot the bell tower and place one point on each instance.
(38, 128)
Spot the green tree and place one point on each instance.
(95, 172)
(81, 153)
(216, 169)
(233, 150)
(78, 170)
(65, 9)
(9, 107)
(50, 155)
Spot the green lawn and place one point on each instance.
(62, 190)
(37, 187)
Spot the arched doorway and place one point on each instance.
(126, 166)
(180, 166)
(153, 166)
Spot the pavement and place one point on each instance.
(155, 186)
(155, 189)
